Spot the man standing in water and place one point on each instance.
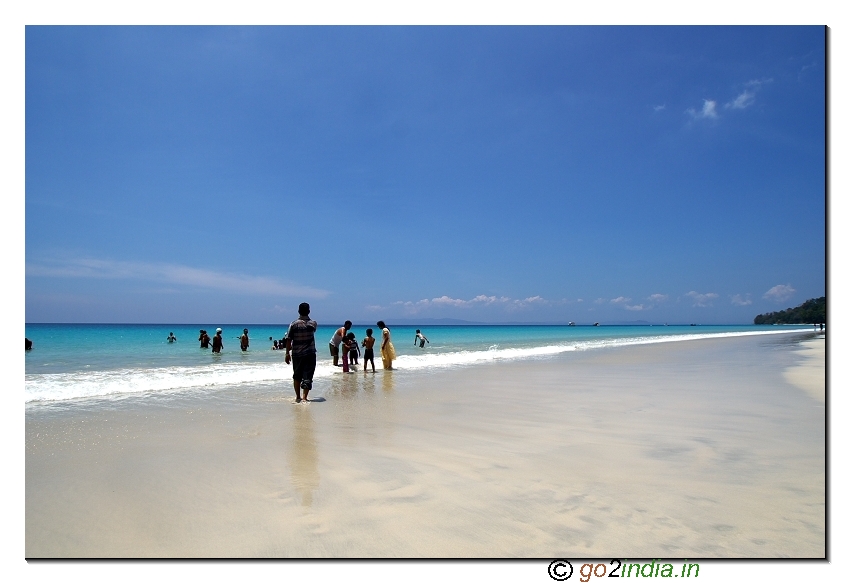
(218, 343)
(243, 340)
(336, 340)
(301, 343)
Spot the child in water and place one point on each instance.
(369, 352)
(344, 348)
(353, 348)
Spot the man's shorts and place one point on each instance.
(303, 367)
(334, 349)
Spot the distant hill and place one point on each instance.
(809, 312)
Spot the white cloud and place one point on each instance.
(708, 111)
(743, 100)
(739, 300)
(658, 298)
(660, 107)
(480, 299)
(621, 300)
(489, 299)
(748, 96)
(442, 301)
(529, 301)
(702, 300)
(447, 301)
(171, 274)
(636, 308)
(779, 293)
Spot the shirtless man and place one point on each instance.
(218, 343)
(336, 340)
(243, 340)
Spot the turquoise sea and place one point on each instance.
(72, 362)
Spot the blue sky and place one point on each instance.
(492, 174)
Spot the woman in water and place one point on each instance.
(387, 348)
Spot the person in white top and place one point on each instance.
(387, 348)
(420, 338)
(336, 340)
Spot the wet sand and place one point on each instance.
(707, 448)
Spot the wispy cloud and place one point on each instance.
(708, 111)
(804, 68)
(413, 307)
(171, 274)
(532, 301)
(658, 298)
(744, 100)
(626, 304)
(748, 96)
(658, 108)
(449, 301)
(779, 293)
(739, 300)
(702, 300)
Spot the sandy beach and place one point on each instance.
(696, 449)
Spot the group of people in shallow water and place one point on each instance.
(343, 344)
(301, 349)
(217, 341)
(300, 345)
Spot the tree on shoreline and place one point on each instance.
(809, 312)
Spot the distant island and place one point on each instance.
(809, 312)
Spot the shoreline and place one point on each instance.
(120, 381)
(679, 449)
(810, 374)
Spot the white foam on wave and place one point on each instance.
(125, 382)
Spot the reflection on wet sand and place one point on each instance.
(304, 454)
(369, 384)
(387, 382)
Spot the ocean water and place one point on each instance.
(72, 362)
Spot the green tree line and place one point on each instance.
(809, 312)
